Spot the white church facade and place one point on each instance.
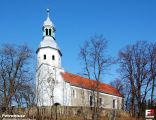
(56, 86)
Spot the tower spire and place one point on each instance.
(48, 12)
(48, 22)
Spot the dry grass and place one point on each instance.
(122, 118)
(103, 118)
(129, 118)
(72, 114)
(71, 118)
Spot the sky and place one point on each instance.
(121, 22)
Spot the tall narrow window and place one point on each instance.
(44, 57)
(46, 31)
(50, 32)
(91, 100)
(100, 101)
(114, 103)
(53, 57)
(74, 93)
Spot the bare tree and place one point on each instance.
(51, 86)
(25, 95)
(152, 67)
(138, 69)
(118, 84)
(126, 61)
(45, 83)
(14, 67)
(93, 56)
(37, 93)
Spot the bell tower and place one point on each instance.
(49, 81)
(48, 51)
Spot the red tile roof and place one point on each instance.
(79, 81)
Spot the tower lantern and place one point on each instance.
(48, 26)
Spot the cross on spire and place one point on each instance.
(48, 11)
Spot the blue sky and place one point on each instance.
(121, 22)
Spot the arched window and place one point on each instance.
(46, 31)
(53, 57)
(50, 32)
(44, 57)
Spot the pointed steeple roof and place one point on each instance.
(48, 22)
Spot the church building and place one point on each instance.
(56, 86)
